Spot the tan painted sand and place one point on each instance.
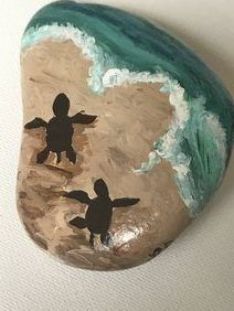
(130, 119)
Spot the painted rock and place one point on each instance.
(127, 134)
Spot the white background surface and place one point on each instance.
(197, 271)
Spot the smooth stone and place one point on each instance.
(127, 134)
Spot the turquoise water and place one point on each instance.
(129, 42)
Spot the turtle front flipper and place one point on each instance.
(80, 196)
(78, 222)
(124, 202)
(36, 123)
(82, 118)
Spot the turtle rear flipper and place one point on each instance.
(78, 222)
(105, 238)
(43, 155)
(71, 155)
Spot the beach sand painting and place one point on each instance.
(148, 142)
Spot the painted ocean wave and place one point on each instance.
(197, 144)
(191, 124)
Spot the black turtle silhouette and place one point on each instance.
(99, 212)
(59, 130)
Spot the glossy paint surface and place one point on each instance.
(123, 41)
(127, 135)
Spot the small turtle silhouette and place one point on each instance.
(59, 130)
(99, 213)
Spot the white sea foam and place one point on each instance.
(116, 77)
(104, 74)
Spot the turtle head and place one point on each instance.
(101, 189)
(61, 105)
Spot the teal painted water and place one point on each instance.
(124, 41)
